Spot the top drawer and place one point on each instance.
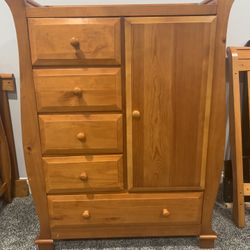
(72, 41)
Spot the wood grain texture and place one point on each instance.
(236, 139)
(171, 89)
(240, 189)
(21, 188)
(103, 173)
(102, 133)
(217, 128)
(174, 82)
(7, 82)
(30, 129)
(123, 10)
(5, 165)
(125, 209)
(247, 189)
(8, 85)
(97, 41)
(99, 89)
(3, 188)
(119, 231)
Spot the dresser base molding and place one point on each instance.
(125, 231)
(45, 244)
(207, 241)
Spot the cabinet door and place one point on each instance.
(169, 70)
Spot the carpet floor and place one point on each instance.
(19, 227)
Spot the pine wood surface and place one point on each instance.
(238, 61)
(217, 131)
(162, 80)
(123, 10)
(89, 89)
(30, 129)
(124, 209)
(76, 134)
(172, 101)
(100, 172)
(67, 41)
(5, 165)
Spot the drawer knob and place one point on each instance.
(136, 114)
(77, 91)
(86, 214)
(75, 42)
(84, 176)
(165, 212)
(81, 136)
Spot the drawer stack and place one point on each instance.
(77, 78)
(78, 87)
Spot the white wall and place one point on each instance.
(238, 35)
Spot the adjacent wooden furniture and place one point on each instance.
(6, 160)
(245, 126)
(239, 61)
(123, 117)
(13, 186)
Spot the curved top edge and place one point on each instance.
(209, 2)
(32, 3)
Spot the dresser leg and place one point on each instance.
(45, 244)
(207, 241)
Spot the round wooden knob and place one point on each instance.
(86, 214)
(77, 91)
(84, 176)
(165, 212)
(75, 42)
(81, 136)
(136, 114)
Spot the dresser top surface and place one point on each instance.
(106, 10)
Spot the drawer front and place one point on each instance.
(78, 174)
(77, 134)
(125, 209)
(70, 41)
(95, 89)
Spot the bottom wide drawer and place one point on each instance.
(77, 212)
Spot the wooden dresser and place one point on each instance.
(123, 117)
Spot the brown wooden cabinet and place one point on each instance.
(123, 116)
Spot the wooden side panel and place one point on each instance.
(30, 128)
(67, 41)
(217, 128)
(169, 64)
(74, 134)
(79, 174)
(91, 89)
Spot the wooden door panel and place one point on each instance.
(169, 75)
